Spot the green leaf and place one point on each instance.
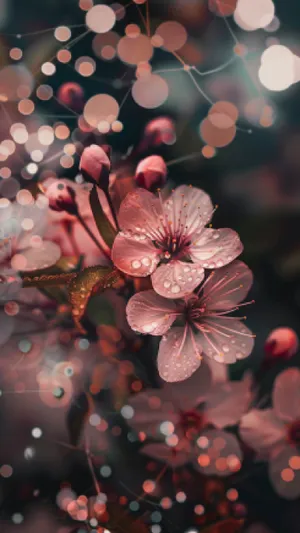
(100, 311)
(81, 288)
(106, 230)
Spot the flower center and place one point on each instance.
(197, 310)
(191, 422)
(294, 433)
(174, 246)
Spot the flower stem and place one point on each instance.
(92, 236)
(111, 207)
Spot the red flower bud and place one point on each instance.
(61, 197)
(162, 130)
(281, 343)
(95, 165)
(151, 173)
(71, 94)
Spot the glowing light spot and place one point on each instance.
(100, 18)
(149, 486)
(134, 50)
(62, 33)
(232, 495)
(48, 68)
(277, 70)
(203, 460)
(287, 475)
(101, 107)
(150, 92)
(173, 35)
(294, 462)
(251, 15)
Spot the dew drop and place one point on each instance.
(175, 289)
(146, 261)
(136, 264)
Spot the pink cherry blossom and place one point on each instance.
(198, 325)
(274, 434)
(184, 430)
(151, 173)
(169, 240)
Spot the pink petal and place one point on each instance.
(218, 453)
(190, 208)
(44, 255)
(136, 258)
(286, 395)
(171, 456)
(188, 394)
(228, 286)
(216, 248)
(226, 341)
(227, 402)
(147, 312)
(177, 279)
(284, 472)
(219, 371)
(179, 355)
(140, 213)
(262, 431)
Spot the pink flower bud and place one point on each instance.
(282, 343)
(151, 173)
(95, 165)
(71, 94)
(61, 197)
(162, 130)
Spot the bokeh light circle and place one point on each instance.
(134, 50)
(150, 91)
(100, 18)
(173, 35)
(99, 108)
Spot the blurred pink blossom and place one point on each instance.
(151, 173)
(204, 325)
(188, 420)
(169, 240)
(274, 434)
(22, 245)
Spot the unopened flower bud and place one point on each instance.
(95, 165)
(61, 197)
(282, 343)
(162, 131)
(151, 173)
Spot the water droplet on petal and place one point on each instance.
(175, 289)
(146, 261)
(136, 264)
